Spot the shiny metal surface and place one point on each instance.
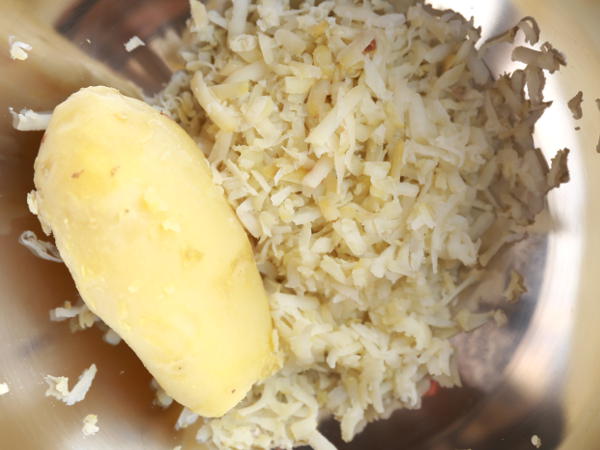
(538, 375)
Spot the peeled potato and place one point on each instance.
(154, 249)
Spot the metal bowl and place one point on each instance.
(537, 375)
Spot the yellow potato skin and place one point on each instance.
(154, 249)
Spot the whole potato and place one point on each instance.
(154, 248)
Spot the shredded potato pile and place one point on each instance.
(379, 167)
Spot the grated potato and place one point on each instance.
(379, 166)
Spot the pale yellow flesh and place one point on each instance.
(154, 249)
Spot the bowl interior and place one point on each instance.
(513, 376)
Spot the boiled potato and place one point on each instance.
(154, 249)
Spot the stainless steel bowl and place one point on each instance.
(538, 375)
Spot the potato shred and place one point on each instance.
(58, 387)
(379, 167)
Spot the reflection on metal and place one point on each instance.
(518, 380)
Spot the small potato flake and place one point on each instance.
(536, 441)
(90, 425)
(111, 337)
(515, 288)
(58, 387)
(134, 43)
(559, 172)
(500, 318)
(18, 50)
(185, 419)
(42, 249)
(160, 396)
(575, 105)
(28, 120)
(4, 389)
